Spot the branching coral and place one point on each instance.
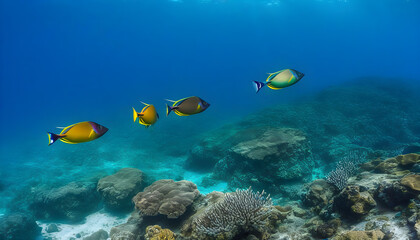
(243, 209)
(342, 173)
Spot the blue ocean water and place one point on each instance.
(65, 61)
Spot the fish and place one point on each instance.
(148, 115)
(281, 79)
(187, 106)
(78, 133)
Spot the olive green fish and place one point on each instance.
(281, 79)
(187, 106)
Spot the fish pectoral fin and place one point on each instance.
(91, 132)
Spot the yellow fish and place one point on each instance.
(78, 133)
(148, 115)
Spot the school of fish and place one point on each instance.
(148, 116)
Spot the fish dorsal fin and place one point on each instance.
(170, 100)
(180, 101)
(145, 103)
(60, 127)
(144, 109)
(67, 128)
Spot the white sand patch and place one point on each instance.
(93, 223)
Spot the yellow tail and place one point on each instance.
(135, 114)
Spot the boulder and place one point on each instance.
(118, 189)
(52, 228)
(71, 202)
(353, 203)
(272, 157)
(326, 230)
(18, 226)
(318, 194)
(99, 235)
(166, 197)
(131, 230)
(283, 151)
(393, 194)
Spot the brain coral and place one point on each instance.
(166, 197)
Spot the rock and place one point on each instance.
(326, 230)
(284, 150)
(387, 166)
(274, 156)
(318, 194)
(157, 233)
(119, 189)
(99, 235)
(18, 226)
(408, 160)
(393, 194)
(52, 228)
(166, 197)
(361, 235)
(412, 182)
(353, 203)
(71, 202)
(299, 212)
(131, 230)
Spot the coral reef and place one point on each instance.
(118, 189)
(166, 197)
(71, 202)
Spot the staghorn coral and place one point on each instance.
(241, 210)
(166, 197)
(157, 233)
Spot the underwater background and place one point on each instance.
(64, 62)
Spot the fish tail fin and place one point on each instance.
(168, 109)
(258, 86)
(52, 137)
(135, 115)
